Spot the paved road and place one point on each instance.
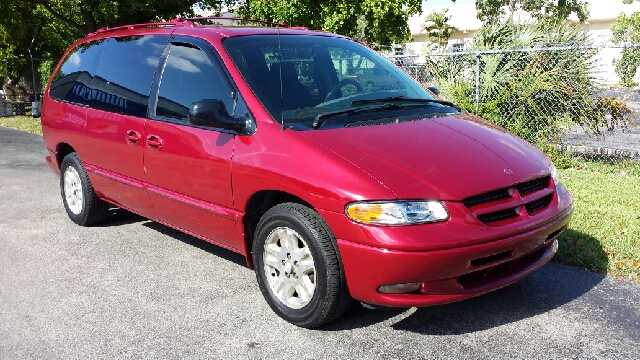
(136, 289)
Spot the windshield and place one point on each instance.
(319, 74)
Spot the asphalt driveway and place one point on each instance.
(135, 288)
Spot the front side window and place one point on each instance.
(189, 75)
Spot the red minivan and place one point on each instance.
(259, 140)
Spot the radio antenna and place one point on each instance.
(281, 96)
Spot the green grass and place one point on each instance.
(23, 123)
(604, 235)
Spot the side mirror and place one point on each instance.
(434, 90)
(213, 113)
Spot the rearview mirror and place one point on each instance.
(434, 90)
(213, 114)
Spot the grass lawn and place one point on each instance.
(24, 123)
(604, 235)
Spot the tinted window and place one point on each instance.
(318, 74)
(74, 76)
(189, 76)
(125, 72)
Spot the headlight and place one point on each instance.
(554, 173)
(397, 213)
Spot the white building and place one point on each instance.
(602, 14)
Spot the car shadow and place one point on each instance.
(582, 250)
(118, 216)
(548, 289)
(198, 243)
(551, 287)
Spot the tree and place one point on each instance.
(627, 30)
(381, 22)
(45, 28)
(491, 10)
(85, 16)
(438, 28)
(28, 32)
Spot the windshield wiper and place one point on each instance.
(350, 111)
(391, 99)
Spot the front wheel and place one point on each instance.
(298, 266)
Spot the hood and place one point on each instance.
(448, 158)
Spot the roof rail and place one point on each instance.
(279, 24)
(133, 26)
(187, 22)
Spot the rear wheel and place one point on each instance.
(80, 201)
(298, 266)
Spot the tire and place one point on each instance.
(80, 201)
(302, 280)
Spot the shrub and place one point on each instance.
(532, 92)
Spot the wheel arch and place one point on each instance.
(62, 150)
(256, 206)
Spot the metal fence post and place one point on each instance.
(477, 81)
(33, 75)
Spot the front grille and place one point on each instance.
(486, 198)
(511, 208)
(498, 215)
(533, 185)
(523, 188)
(536, 205)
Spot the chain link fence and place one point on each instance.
(568, 97)
(22, 83)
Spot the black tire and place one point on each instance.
(331, 297)
(93, 210)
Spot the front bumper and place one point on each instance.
(452, 274)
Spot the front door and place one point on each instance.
(188, 168)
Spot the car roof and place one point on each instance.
(224, 30)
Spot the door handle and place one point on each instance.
(133, 137)
(154, 142)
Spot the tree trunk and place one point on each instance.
(89, 20)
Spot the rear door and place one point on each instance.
(118, 100)
(188, 168)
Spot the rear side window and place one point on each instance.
(189, 76)
(124, 74)
(73, 78)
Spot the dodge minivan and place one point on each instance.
(263, 141)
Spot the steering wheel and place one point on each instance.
(336, 90)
